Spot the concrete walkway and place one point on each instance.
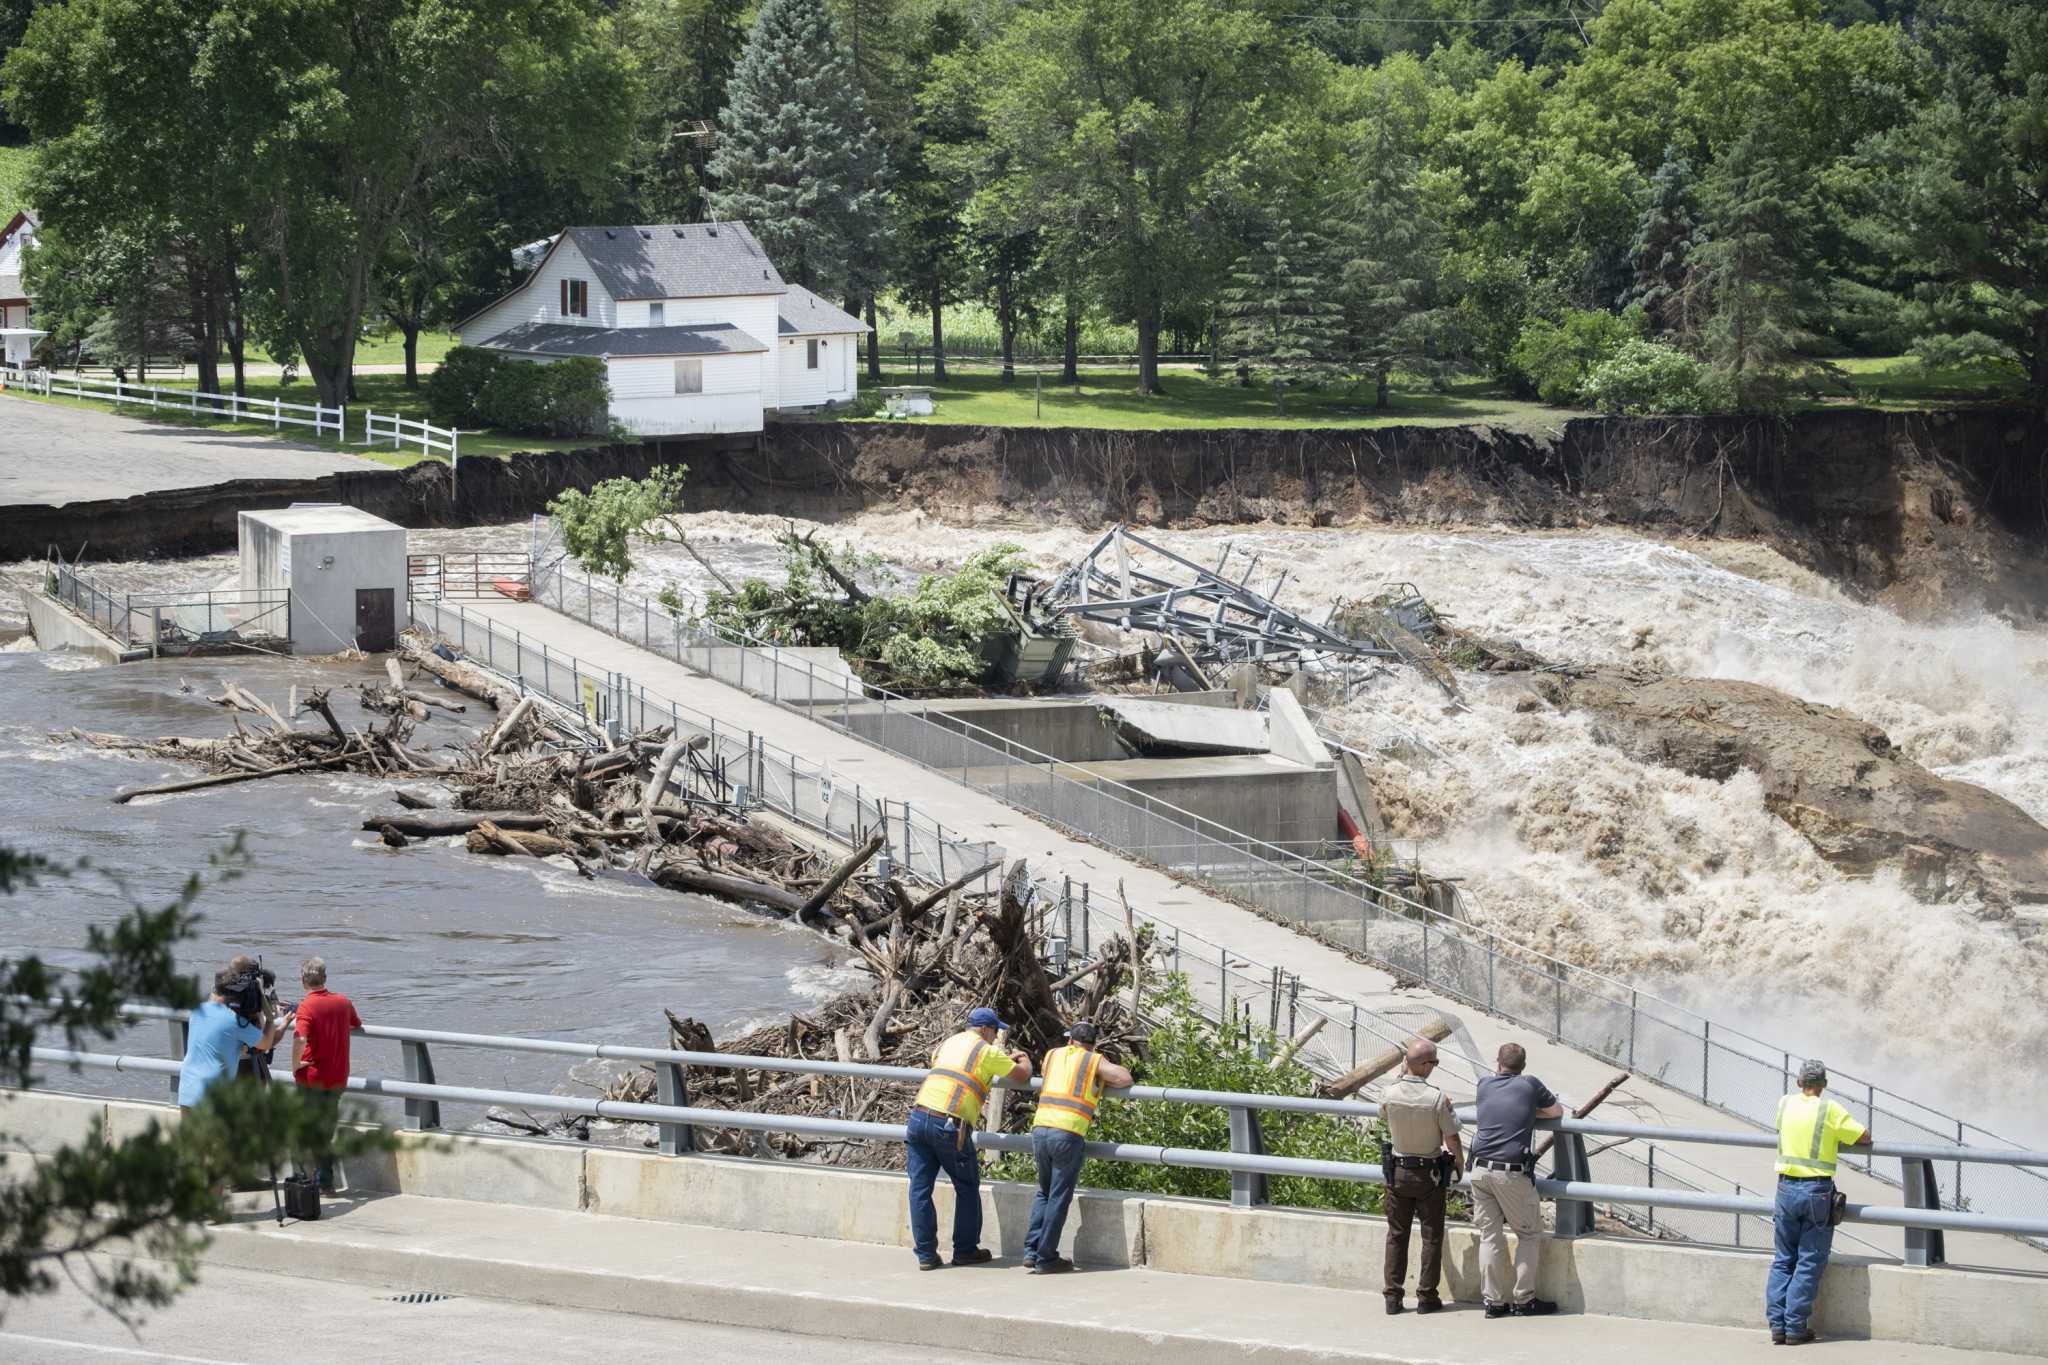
(1574, 1076)
(859, 1292)
(237, 1317)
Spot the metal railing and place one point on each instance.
(461, 573)
(1228, 988)
(157, 619)
(1593, 1013)
(748, 767)
(228, 407)
(1571, 1186)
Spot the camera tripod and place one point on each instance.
(260, 1064)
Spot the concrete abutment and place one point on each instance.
(1602, 1275)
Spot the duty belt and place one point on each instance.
(1511, 1167)
(1415, 1163)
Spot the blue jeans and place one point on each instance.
(1804, 1239)
(935, 1145)
(1059, 1155)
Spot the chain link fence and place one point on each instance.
(1586, 1010)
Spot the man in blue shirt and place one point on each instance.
(1504, 1185)
(213, 1047)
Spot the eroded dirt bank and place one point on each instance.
(1925, 511)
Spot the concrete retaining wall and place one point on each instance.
(57, 628)
(1625, 1277)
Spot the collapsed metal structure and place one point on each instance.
(1212, 621)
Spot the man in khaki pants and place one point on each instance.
(1504, 1185)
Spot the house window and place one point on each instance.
(575, 299)
(690, 375)
(811, 354)
(654, 312)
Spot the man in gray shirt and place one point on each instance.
(1504, 1184)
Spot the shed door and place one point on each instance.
(374, 612)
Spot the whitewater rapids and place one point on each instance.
(1676, 884)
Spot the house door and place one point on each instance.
(374, 611)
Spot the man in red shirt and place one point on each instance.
(320, 1057)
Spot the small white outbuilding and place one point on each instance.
(344, 569)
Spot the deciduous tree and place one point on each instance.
(1124, 115)
(1961, 207)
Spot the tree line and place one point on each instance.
(1643, 204)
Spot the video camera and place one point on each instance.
(251, 993)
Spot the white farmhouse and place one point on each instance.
(696, 327)
(17, 338)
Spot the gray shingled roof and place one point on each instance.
(802, 313)
(677, 260)
(557, 338)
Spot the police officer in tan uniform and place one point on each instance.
(1422, 1162)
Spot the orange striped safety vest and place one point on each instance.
(1071, 1091)
(955, 1086)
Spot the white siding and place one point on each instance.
(832, 382)
(540, 299)
(645, 401)
(753, 314)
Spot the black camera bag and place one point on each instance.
(302, 1197)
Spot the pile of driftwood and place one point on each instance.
(539, 782)
(930, 968)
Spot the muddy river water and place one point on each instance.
(429, 936)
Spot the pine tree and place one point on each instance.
(1666, 239)
(1758, 268)
(1282, 311)
(1395, 256)
(797, 159)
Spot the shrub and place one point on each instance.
(515, 398)
(456, 386)
(1650, 376)
(1188, 1051)
(577, 395)
(1555, 357)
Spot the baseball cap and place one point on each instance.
(1082, 1032)
(985, 1018)
(1813, 1071)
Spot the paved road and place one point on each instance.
(55, 454)
(241, 1317)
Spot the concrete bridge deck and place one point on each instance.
(1573, 1075)
(863, 1292)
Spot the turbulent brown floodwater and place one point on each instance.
(428, 936)
(1677, 884)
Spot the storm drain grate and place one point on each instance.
(418, 1296)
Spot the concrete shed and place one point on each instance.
(345, 571)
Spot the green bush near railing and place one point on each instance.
(1189, 1051)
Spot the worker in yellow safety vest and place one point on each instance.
(947, 1107)
(1075, 1078)
(1812, 1129)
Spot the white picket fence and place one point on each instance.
(220, 406)
(380, 427)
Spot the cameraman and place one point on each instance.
(220, 1030)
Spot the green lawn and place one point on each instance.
(13, 170)
(385, 347)
(1108, 398)
(1896, 382)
